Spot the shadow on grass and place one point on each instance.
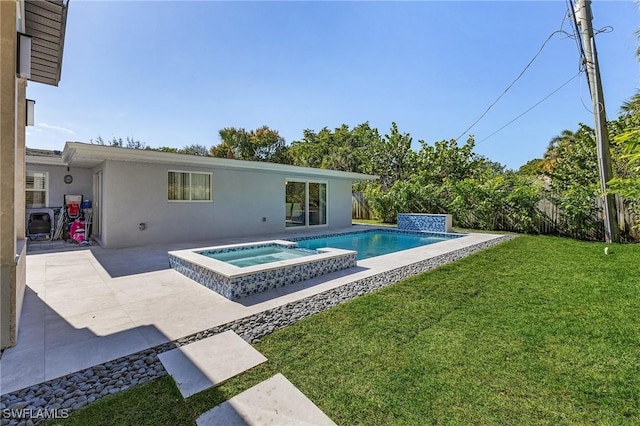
(155, 403)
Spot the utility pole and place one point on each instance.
(583, 16)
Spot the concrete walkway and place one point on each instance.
(209, 362)
(273, 402)
(83, 308)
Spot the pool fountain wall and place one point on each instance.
(425, 222)
(235, 282)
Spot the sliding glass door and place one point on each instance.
(305, 203)
(317, 203)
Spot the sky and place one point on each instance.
(173, 73)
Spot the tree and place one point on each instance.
(268, 145)
(129, 142)
(195, 149)
(446, 161)
(627, 140)
(165, 149)
(571, 165)
(532, 167)
(440, 178)
(262, 144)
(234, 144)
(571, 159)
(390, 157)
(339, 149)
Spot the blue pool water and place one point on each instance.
(374, 243)
(256, 255)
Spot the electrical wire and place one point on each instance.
(590, 111)
(560, 31)
(582, 66)
(535, 105)
(571, 9)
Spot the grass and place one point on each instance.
(539, 330)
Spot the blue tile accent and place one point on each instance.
(235, 288)
(422, 222)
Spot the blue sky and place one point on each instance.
(175, 73)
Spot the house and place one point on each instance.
(142, 197)
(31, 45)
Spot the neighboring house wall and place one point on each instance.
(82, 182)
(136, 193)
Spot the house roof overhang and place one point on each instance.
(78, 154)
(45, 21)
(43, 156)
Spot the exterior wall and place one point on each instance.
(19, 205)
(136, 193)
(12, 255)
(339, 203)
(21, 130)
(82, 182)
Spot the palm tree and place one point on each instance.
(552, 155)
(631, 106)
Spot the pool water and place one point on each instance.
(374, 243)
(257, 255)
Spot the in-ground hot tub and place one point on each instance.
(238, 270)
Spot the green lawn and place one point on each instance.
(539, 330)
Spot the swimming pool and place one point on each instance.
(374, 242)
(257, 255)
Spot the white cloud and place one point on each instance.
(58, 128)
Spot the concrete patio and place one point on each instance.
(86, 307)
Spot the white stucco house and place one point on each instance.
(141, 197)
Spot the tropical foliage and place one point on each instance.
(626, 132)
(262, 144)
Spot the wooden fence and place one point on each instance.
(359, 206)
(552, 221)
(548, 219)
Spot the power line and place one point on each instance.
(582, 100)
(512, 83)
(576, 34)
(535, 105)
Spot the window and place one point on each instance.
(36, 187)
(305, 203)
(189, 186)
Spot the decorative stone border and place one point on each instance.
(68, 393)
